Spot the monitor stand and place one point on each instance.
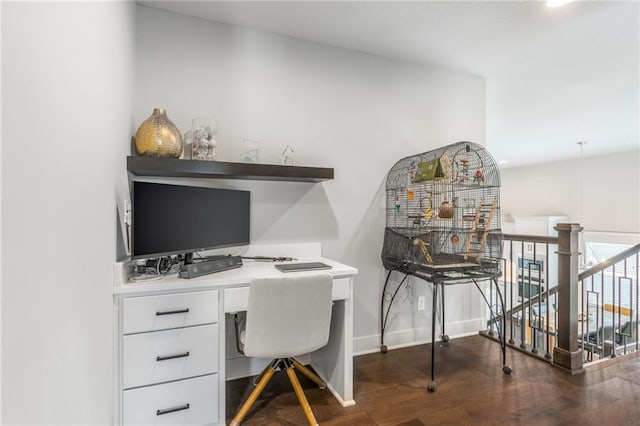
(209, 266)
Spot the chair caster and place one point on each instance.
(445, 338)
(506, 369)
(383, 349)
(431, 387)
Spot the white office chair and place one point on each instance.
(286, 317)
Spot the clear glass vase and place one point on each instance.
(203, 139)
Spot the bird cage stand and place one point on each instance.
(443, 226)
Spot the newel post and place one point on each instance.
(567, 354)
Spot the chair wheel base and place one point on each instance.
(383, 349)
(431, 387)
(506, 369)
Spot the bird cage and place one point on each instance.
(443, 212)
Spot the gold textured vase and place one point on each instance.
(157, 136)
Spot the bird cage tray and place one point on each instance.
(402, 253)
(443, 212)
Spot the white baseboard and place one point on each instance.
(416, 336)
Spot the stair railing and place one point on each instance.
(560, 315)
(529, 286)
(609, 306)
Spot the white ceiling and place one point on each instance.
(554, 76)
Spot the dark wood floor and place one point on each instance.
(390, 389)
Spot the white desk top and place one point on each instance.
(232, 278)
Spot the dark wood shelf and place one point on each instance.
(171, 167)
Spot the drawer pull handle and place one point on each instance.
(181, 311)
(172, 409)
(164, 358)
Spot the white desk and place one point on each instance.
(183, 320)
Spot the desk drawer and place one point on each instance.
(140, 314)
(186, 402)
(236, 299)
(169, 355)
(340, 289)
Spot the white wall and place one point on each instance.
(355, 112)
(610, 191)
(578, 80)
(67, 82)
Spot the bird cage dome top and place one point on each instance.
(443, 212)
(457, 163)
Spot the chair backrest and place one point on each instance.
(597, 337)
(629, 329)
(288, 316)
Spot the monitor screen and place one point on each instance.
(174, 219)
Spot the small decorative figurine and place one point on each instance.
(285, 158)
(455, 239)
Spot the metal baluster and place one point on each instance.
(585, 316)
(623, 335)
(523, 342)
(634, 328)
(534, 330)
(619, 331)
(596, 330)
(600, 329)
(511, 339)
(547, 354)
(491, 333)
(613, 314)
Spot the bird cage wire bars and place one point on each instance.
(443, 212)
(443, 226)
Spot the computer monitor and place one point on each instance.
(176, 219)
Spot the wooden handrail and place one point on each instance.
(609, 262)
(531, 238)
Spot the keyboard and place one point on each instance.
(299, 267)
